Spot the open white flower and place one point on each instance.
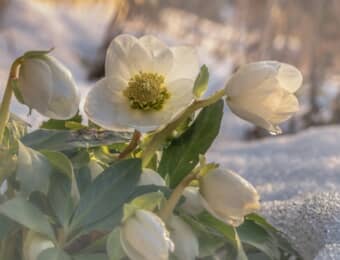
(47, 86)
(146, 84)
(263, 93)
(185, 240)
(227, 196)
(144, 236)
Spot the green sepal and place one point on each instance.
(201, 82)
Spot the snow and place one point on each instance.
(297, 176)
(74, 33)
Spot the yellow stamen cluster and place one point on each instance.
(147, 91)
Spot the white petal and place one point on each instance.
(65, 98)
(139, 59)
(181, 94)
(35, 84)
(162, 56)
(117, 61)
(103, 102)
(290, 78)
(108, 107)
(250, 77)
(185, 64)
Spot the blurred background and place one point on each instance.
(227, 34)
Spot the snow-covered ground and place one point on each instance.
(297, 176)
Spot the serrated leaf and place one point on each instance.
(54, 254)
(26, 214)
(63, 140)
(33, 170)
(201, 82)
(107, 194)
(113, 247)
(182, 155)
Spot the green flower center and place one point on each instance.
(146, 91)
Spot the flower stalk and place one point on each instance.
(159, 137)
(6, 100)
(175, 196)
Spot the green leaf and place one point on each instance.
(61, 124)
(201, 82)
(62, 140)
(60, 198)
(91, 257)
(33, 170)
(182, 155)
(8, 163)
(107, 194)
(26, 214)
(7, 226)
(254, 235)
(63, 166)
(54, 254)
(227, 231)
(113, 246)
(149, 201)
(276, 236)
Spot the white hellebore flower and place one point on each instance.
(34, 244)
(146, 84)
(47, 86)
(227, 196)
(192, 204)
(150, 177)
(263, 93)
(186, 242)
(145, 237)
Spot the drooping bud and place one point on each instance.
(47, 86)
(150, 177)
(227, 196)
(263, 93)
(144, 236)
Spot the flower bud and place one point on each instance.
(34, 244)
(150, 177)
(144, 236)
(186, 243)
(227, 196)
(192, 204)
(47, 86)
(263, 93)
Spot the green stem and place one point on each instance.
(159, 137)
(175, 196)
(6, 100)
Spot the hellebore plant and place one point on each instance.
(134, 182)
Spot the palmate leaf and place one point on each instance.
(54, 254)
(182, 155)
(106, 195)
(62, 140)
(23, 212)
(33, 170)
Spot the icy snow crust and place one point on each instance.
(297, 176)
